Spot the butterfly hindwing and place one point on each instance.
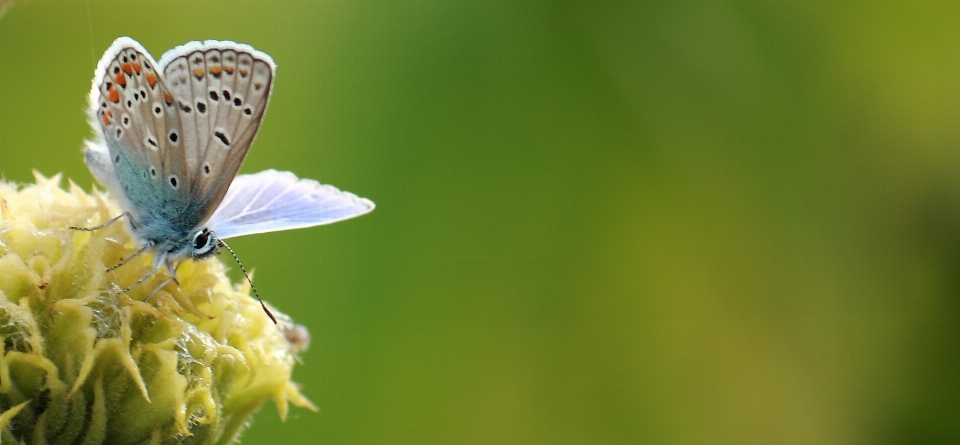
(140, 127)
(221, 90)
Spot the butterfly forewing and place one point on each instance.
(270, 201)
(141, 128)
(221, 90)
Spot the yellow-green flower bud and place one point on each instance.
(85, 362)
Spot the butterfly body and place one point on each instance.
(173, 135)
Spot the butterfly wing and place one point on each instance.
(270, 201)
(139, 158)
(221, 90)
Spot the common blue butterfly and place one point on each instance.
(171, 136)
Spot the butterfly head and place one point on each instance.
(205, 243)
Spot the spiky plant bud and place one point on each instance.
(85, 362)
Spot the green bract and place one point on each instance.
(83, 362)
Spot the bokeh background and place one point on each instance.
(671, 222)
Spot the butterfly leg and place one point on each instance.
(159, 262)
(111, 221)
(135, 254)
(172, 271)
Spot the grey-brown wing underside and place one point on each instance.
(221, 91)
(141, 129)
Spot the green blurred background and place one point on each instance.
(708, 222)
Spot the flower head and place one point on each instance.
(83, 360)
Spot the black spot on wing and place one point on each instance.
(223, 137)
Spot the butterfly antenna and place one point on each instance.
(269, 314)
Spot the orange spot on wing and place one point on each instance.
(228, 69)
(167, 98)
(215, 70)
(127, 69)
(198, 72)
(243, 73)
(136, 67)
(110, 113)
(151, 80)
(105, 118)
(120, 79)
(113, 95)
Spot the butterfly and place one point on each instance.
(171, 136)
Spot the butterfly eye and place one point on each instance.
(201, 239)
(204, 244)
